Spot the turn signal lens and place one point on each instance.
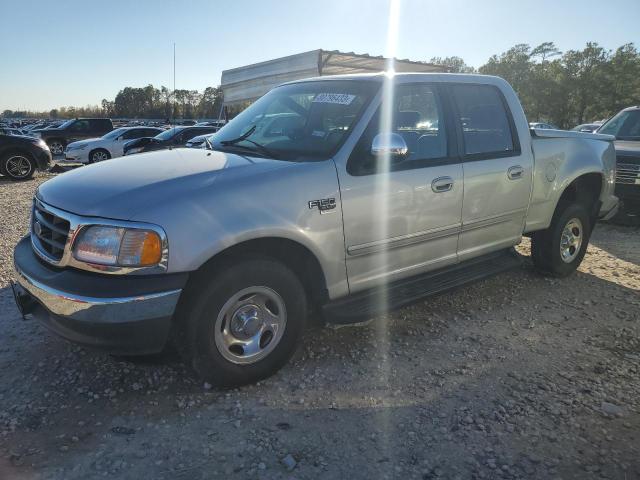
(140, 248)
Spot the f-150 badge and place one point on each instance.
(325, 205)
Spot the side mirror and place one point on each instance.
(389, 144)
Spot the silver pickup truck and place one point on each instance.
(346, 196)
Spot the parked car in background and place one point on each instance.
(21, 156)
(73, 130)
(625, 126)
(228, 251)
(13, 131)
(199, 142)
(108, 146)
(211, 123)
(173, 137)
(543, 126)
(587, 127)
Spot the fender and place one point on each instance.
(560, 159)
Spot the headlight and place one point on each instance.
(118, 246)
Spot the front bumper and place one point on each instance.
(43, 158)
(122, 314)
(76, 156)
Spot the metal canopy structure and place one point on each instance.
(244, 84)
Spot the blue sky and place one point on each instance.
(76, 52)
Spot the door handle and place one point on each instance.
(442, 184)
(515, 172)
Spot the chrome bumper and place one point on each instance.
(100, 310)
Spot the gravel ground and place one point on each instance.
(517, 376)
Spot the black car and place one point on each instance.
(73, 130)
(174, 137)
(21, 156)
(625, 125)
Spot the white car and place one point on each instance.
(108, 146)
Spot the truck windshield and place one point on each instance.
(625, 125)
(66, 124)
(301, 121)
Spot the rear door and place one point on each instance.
(403, 218)
(497, 173)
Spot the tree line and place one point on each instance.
(141, 102)
(564, 88)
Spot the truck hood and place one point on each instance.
(119, 188)
(627, 147)
(47, 131)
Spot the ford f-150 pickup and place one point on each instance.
(345, 196)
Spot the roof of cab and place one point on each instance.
(407, 77)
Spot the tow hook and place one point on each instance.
(24, 300)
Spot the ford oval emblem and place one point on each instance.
(37, 228)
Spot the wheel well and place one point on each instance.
(586, 190)
(292, 254)
(13, 151)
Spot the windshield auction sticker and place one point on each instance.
(338, 98)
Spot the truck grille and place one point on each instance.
(50, 231)
(628, 173)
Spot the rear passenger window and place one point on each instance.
(483, 119)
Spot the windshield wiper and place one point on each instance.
(245, 137)
(242, 137)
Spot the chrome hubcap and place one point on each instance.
(18, 166)
(99, 156)
(250, 325)
(571, 240)
(56, 148)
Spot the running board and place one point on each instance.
(365, 305)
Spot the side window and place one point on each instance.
(483, 119)
(189, 134)
(417, 116)
(135, 133)
(80, 126)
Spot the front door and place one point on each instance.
(497, 174)
(402, 217)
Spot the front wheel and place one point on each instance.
(17, 166)
(99, 155)
(243, 324)
(559, 250)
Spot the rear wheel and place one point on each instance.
(244, 323)
(559, 250)
(17, 166)
(56, 147)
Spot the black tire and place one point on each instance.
(545, 245)
(104, 155)
(55, 144)
(202, 308)
(17, 165)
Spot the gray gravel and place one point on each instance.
(518, 376)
